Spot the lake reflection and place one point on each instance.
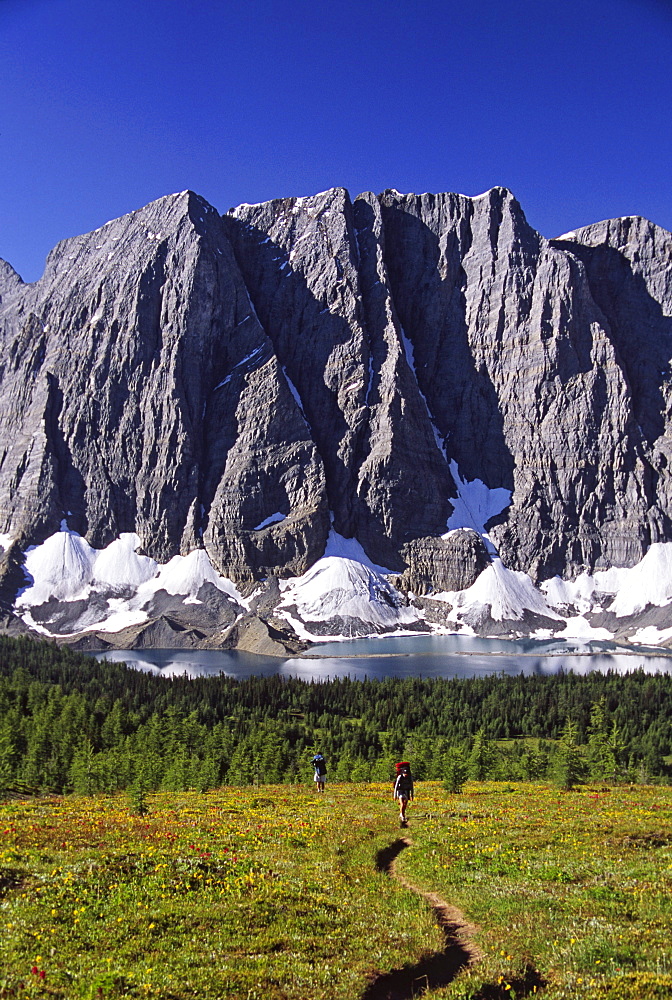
(403, 656)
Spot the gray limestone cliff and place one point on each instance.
(140, 393)
(240, 383)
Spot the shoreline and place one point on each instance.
(549, 655)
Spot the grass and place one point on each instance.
(273, 892)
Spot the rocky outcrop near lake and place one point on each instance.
(392, 412)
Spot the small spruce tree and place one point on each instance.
(481, 758)
(139, 789)
(571, 767)
(6, 764)
(455, 770)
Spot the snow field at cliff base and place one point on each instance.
(346, 584)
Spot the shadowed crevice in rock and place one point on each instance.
(434, 970)
(424, 257)
(327, 332)
(617, 281)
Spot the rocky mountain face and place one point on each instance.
(246, 384)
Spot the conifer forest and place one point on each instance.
(71, 723)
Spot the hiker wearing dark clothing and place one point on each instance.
(403, 789)
(320, 776)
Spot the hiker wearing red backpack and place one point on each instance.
(403, 789)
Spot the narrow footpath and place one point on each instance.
(435, 970)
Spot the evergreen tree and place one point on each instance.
(455, 769)
(360, 771)
(534, 763)
(83, 772)
(605, 744)
(598, 757)
(571, 767)
(6, 764)
(481, 758)
(139, 789)
(615, 751)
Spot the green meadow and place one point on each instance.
(277, 893)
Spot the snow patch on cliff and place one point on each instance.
(621, 591)
(651, 636)
(122, 618)
(579, 627)
(344, 584)
(116, 580)
(475, 505)
(507, 593)
(271, 519)
(119, 565)
(61, 567)
(350, 548)
(409, 351)
(295, 393)
(186, 575)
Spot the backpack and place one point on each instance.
(403, 771)
(319, 763)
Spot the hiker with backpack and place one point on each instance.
(403, 789)
(320, 777)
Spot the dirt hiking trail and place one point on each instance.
(437, 969)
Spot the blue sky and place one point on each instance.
(108, 104)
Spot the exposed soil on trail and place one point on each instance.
(434, 970)
(10, 878)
